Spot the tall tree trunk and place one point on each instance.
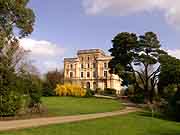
(147, 91)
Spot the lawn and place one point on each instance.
(131, 124)
(61, 106)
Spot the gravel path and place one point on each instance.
(21, 124)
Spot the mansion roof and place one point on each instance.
(89, 51)
(102, 57)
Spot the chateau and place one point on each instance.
(90, 70)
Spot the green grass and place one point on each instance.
(61, 106)
(131, 124)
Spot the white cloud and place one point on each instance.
(44, 54)
(170, 8)
(175, 53)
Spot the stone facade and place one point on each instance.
(90, 70)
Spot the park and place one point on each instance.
(131, 88)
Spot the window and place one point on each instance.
(105, 65)
(88, 85)
(88, 74)
(82, 74)
(71, 66)
(94, 65)
(82, 66)
(88, 66)
(88, 58)
(94, 74)
(105, 73)
(71, 74)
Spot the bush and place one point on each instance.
(137, 98)
(169, 91)
(135, 95)
(109, 91)
(10, 104)
(173, 109)
(130, 90)
(10, 92)
(89, 93)
(47, 90)
(99, 91)
(70, 90)
(33, 89)
(13, 88)
(35, 95)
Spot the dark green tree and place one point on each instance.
(16, 20)
(170, 76)
(52, 78)
(137, 56)
(170, 72)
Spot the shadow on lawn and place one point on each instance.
(155, 115)
(166, 132)
(160, 131)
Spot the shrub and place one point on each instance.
(99, 91)
(70, 90)
(33, 89)
(109, 91)
(89, 93)
(47, 90)
(10, 104)
(137, 98)
(130, 90)
(10, 93)
(135, 94)
(35, 95)
(169, 91)
(13, 88)
(173, 109)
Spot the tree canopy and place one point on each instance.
(170, 71)
(137, 56)
(16, 21)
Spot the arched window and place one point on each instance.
(71, 66)
(71, 74)
(88, 85)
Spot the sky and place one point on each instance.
(64, 26)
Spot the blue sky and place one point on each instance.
(69, 25)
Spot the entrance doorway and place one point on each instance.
(88, 85)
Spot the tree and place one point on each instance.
(14, 16)
(139, 57)
(16, 20)
(170, 72)
(52, 78)
(170, 76)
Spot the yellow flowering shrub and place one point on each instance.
(70, 90)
